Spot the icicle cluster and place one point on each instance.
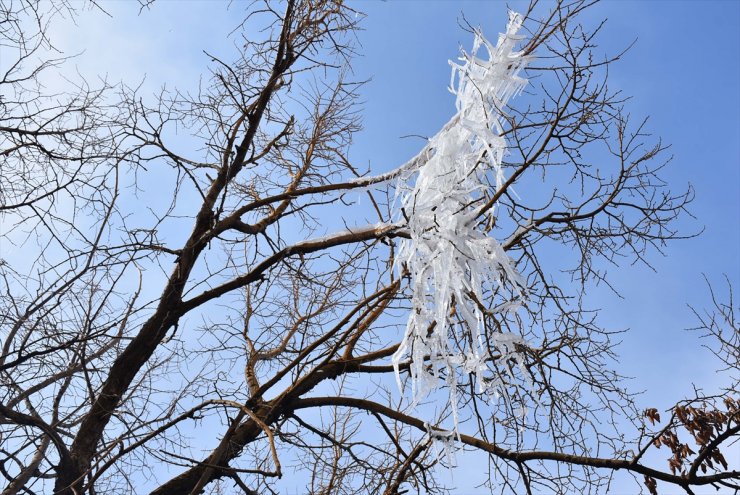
(444, 439)
(452, 260)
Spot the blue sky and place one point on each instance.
(684, 73)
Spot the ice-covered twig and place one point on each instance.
(451, 260)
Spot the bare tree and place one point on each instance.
(222, 310)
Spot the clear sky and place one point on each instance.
(684, 72)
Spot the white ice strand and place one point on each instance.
(450, 260)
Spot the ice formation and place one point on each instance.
(451, 259)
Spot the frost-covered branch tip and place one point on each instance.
(451, 260)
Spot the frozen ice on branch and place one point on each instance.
(451, 258)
